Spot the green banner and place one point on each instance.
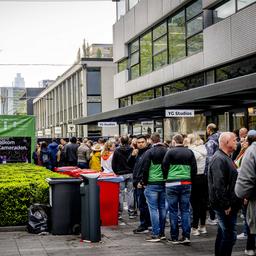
(15, 126)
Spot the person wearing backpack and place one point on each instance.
(45, 156)
(53, 150)
(212, 145)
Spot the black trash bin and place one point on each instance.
(66, 205)
(90, 208)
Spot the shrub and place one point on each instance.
(20, 186)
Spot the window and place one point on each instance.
(223, 11)
(93, 108)
(185, 84)
(158, 92)
(177, 46)
(146, 53)
(93, 82)
(237, 69)
(243, 3)
(194, 27)
(228, 8)
(179, 36)
(120, 9)
(134, 60)
(124, 102)
(132, 3)
(160, 46)
(195, 44)
(194, 9)
(174, 87)
(122, 65)
(143, 96)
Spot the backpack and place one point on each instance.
(45, 157)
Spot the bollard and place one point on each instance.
(90, 208)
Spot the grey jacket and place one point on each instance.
(246, 181)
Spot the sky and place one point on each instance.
(49, 33)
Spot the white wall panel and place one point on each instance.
(155, 10)
(217, 43)
(129, 25)
(119, 50)
(243, 31)
(141, 16)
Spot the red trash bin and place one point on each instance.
(109, 202)
(109, 193)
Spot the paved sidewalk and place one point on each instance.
(116, 241)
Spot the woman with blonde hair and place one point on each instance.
(107, 155)
(199, 193)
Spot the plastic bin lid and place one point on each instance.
(90, 175)
(53, 181)
(112, 179)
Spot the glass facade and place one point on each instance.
(223, 11)
(93, 91)
(93, 82)
(125, 102)
(195, 44)
(146, 53)
(120, 10)
(243, 3)
(93, 108)
(237, 69)
(160, 46)
(132, 3)
(176, 37)
(143, 96)
(134, 60)
(122, 65)
(228, 8)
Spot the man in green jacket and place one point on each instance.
(179, 166)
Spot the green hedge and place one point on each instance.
(20, 186)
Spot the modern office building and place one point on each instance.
(85, 89)
(17, 101)
(19, 81)
(10, 101)
(194, 55)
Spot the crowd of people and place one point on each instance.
(181, 179)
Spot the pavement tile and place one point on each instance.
(116, 241)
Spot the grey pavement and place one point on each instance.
(116, 241)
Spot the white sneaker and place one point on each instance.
(203, 230)
(212, 222)
(250, 252)
(242, 236)
(195, 232)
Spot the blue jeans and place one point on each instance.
(178, 198)
(145, 221)
(226, 234)
(128, 194)
(155, 195)
(82, 165)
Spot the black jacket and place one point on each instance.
(179, 157)
(154, 155)
(120, 160)
(222, 175)
(135, 162)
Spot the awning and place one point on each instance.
(237, 92)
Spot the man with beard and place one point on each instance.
(135, 161)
